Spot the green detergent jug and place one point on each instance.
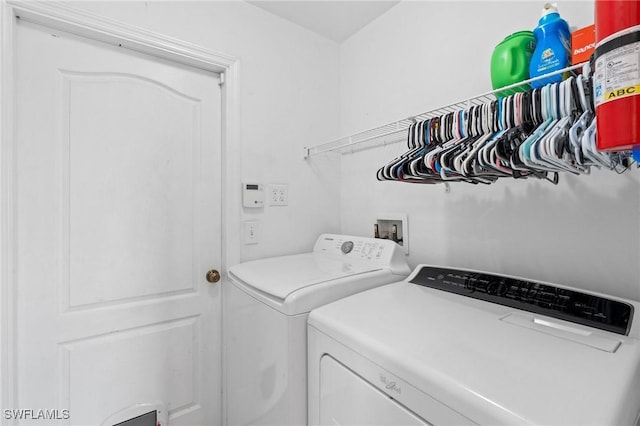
(510, 61)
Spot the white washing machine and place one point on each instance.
(266, 306)
(460, 347)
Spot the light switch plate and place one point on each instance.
(251, 232)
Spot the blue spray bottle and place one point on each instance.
(553, 46)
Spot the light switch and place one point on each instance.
(251, 232)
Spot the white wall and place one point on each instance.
(419, 55)
(288, 99)
(585, 232)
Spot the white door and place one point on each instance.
(118, 221)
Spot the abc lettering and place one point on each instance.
(621, 92)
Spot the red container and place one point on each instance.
(617, 74)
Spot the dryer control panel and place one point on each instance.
(545, 299)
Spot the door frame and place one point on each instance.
(95, 27)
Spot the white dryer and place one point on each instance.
(265, 308)
(452, 346)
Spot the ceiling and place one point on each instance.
(333, 19)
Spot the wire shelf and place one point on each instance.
(396, 132)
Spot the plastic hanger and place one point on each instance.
(544, 153)
(415, 142)
(541, 105)
(579, 126)
(400, 170)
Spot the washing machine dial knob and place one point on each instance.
(346, 247)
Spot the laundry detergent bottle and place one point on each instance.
(553, 46)
(510, 62)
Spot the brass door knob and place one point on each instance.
(213, 276)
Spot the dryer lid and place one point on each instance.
(279, 277)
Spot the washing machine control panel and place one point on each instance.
(365, 249)
(545, 299)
